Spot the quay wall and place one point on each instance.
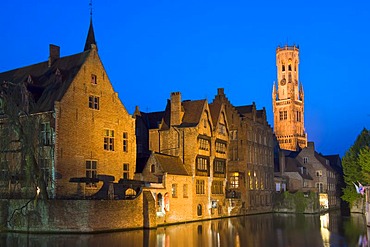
(77, 215)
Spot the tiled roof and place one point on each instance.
(152, 119)
(192, 112)
(48, 84)
(171, 164)
(244, 109)
(215, 108)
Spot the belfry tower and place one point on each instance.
(288, 100)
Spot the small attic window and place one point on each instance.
(152, 168)
(94, 79)
(29, 80)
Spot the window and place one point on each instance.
(222, 128)
(45, 134)
(283, 115)
(94, 79)
(125, 142)
(44, 164)
(185, 191)
(217, 187)
(202, 163)
(305, 160)
(320, 187)
(91, 171)
(290, 67)
(305, 185)
(200, 189)
(219, 166)
(234, 180)
(319, 173)
(299, 116)
(283, 68)
(220, 147)
(126, 171)
(199, 213)
(234, 135)
(109, 140)
(94, 102)
(152, 168)
(203, 144)
(174, 190)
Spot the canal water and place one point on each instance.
(255, 230)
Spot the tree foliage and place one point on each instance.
(20, 154)
(354, 168)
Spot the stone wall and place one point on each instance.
(78, 215)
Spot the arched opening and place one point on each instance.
(199, 210)
(130, 193)
(159, 202)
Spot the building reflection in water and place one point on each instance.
(256, 230)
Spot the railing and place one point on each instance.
(233, 194)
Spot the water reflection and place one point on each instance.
(257, 230)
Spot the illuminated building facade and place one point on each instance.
(288, 100)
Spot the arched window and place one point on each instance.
(199, 210)
(159, 203)
(283, 67)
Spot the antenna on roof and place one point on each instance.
(90, 4)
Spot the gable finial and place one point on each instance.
(90, 4)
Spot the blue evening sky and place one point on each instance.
(153, 48)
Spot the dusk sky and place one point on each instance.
(153, 48)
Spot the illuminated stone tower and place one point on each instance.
(288, 100)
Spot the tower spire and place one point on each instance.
(90, 39)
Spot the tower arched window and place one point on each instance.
(283, 67)
(290, 67)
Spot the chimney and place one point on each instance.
(54, 54)
(176, 115)
(220, 91)
(311, 145)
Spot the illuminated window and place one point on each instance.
(94, 79)
(319, 173)
(200, 188)
(202, 163)
(91, 172)
(174, 190)
(203, 144)
(234, 180)
(220, 147)
(109, 140)
(125, 142)
(126, 171)
(94, 102)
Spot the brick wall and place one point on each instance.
(79, 215)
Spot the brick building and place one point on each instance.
(85, 129)
(251, 162)
(308, 171)
(197, 134)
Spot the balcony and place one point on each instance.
(233, 194)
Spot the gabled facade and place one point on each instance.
(198, 135)
(308, 171)
(86, 130)
(251, 163)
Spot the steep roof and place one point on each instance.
(152, 119)
(171, 164)
(215, 108)
(244, 109)
(47, 84)
(90, 39)
(193, 110)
